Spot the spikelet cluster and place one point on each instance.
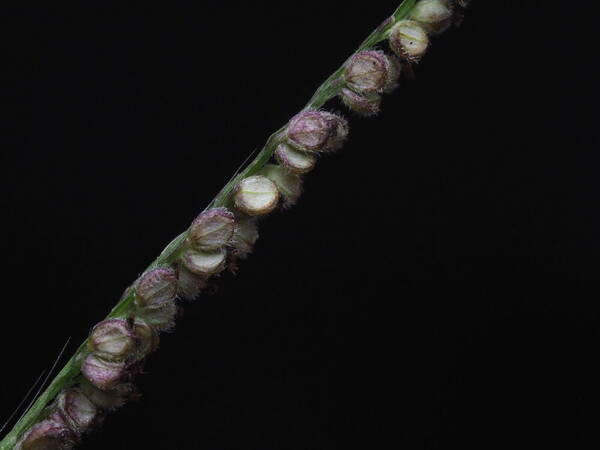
(117, 347)
(370, 73)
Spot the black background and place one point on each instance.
(436, 285)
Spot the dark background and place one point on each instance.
(436, 285)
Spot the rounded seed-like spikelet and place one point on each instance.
(394, 75)
(256, 195)
(105, 375)
(189, 284)
(310, 131)
(205, 263)
(364, 105)
(409, 40)
(295, 160)
(368, 72)
(50, 434)
(434, 15)
(155, 297)
(288, 183)
(77, 409)
(147, 338)
(339, 134)
(109, 399)
(212, 229)
(113, 339)
(161, 317)
(244, 237)
(156, 287)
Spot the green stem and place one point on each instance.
(71, 371)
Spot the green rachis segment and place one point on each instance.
(98, 376)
